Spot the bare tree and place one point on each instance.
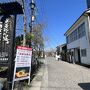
(37, 39)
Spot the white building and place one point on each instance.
(78, 39)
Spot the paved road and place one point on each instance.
(60, 75)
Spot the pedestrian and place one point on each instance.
(1, 86)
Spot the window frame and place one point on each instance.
(83, 52)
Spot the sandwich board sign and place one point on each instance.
(22, 67)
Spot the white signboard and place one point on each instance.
(0, 30)
(22, 63)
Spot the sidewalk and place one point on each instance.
(36, 83)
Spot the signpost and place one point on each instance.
(8, 13)
(22, 68)
(7, 44)
(6, 39)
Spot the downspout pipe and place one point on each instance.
(89, 28)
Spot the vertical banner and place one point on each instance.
(7, 44)
(22, 63)
(7, 34)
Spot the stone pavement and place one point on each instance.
(65, 76)
(37, 81)
(60, 75)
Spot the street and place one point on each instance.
(35, 35)
(60, 75)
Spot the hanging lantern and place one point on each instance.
(32, 5)
(33, 18)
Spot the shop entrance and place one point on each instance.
(79, 58)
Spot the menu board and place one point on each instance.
(22, 63)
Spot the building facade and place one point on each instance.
(61, 51)
(78, 39)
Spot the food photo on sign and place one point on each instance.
(22, 67)
(22, 72)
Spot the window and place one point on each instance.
(76, 34)
(68, 39)
(83, 52)
(72, 37)
(81, 30)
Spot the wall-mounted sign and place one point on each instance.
(22, 63)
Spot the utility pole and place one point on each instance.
(32, 14)
(25, 26)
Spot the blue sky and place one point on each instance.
(57, 15)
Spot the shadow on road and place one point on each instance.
(35, 68)
(84, 86)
